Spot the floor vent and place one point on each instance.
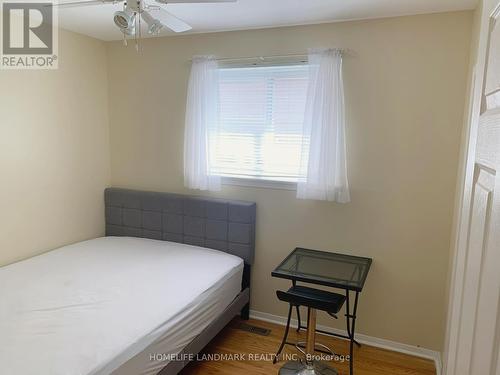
(254, 329)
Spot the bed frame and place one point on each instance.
(223, 225)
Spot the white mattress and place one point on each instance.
(90, 307)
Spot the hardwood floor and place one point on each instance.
(234, 341)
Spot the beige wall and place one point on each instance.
(405, 93)
(54, 151)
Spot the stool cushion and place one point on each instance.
(315, 298)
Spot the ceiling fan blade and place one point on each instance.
(169, 20)
(195, 1)
(86, 3)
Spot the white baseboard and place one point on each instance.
(364, 339)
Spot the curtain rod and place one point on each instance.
(262, 58)
(344, 51)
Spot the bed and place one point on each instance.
(171, 272)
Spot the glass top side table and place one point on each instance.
(324, 268)
(336, 270)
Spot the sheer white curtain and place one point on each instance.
(201, 119)
(323, 164)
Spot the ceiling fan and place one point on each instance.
(154, 15)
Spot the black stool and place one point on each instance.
(313, 299)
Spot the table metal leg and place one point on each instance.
(299, 321)
(299, 326)
(285, 336)
(351, 327)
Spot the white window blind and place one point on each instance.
(261, 112)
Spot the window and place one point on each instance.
(261, 113)
(264, 130)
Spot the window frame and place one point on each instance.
(255, 181)
(258, 183)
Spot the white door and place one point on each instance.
(473, 341)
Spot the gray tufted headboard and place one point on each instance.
(224, 225)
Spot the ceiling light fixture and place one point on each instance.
(125, 20)
(152, 12)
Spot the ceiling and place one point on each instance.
(97, 21)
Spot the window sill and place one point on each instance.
(259, 183)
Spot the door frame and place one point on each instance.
(490, 8)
